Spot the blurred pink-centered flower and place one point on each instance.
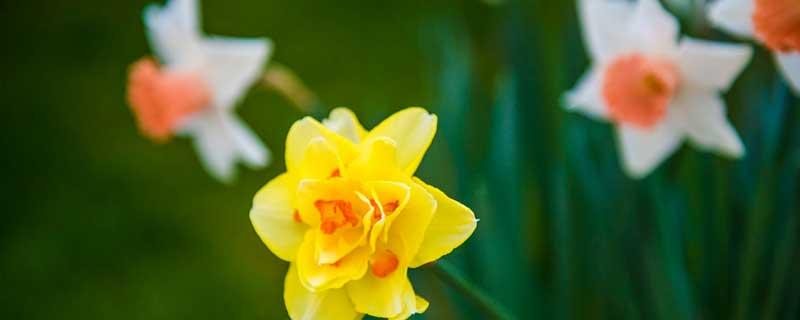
(195, 85)
(657, 90)
(775, 23)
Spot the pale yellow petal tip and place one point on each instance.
(345, 122)
(422, 304)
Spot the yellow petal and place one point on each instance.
(377, 161)
(413, 130)
(302, 304)
(344, 122)
(303, 132)
(386, 296)
(320, 160)
(272, 216)
(412, 304)
(410, 225)
(451, 225)
(318, 277)
(384, 192)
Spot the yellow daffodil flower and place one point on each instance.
(351, 218)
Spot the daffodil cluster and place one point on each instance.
(352, 219)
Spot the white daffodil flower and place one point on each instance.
(775, 23)
(657, 90)
(195, 85)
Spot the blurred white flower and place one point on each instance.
(195, 85)
(656, 89)
(775, 23)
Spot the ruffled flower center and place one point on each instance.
(777, 24)
(387, 209)
(162, 100)
(335, 214)
(637, 89)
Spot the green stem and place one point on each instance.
(283, 80)
(449, 274)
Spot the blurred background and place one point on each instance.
(101, 223)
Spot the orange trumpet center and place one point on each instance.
(162, 100)
(637, 89)
(335, 214)
(777, 24)
(383, 263)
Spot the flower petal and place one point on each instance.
(387, 296)
(174, 32)
(711, 65)
(451, 225)
(319, 277)
(643, 150)
(734, 16)
(221, 139)
(377, 161)
(345, 123)
(320, 160)
(232, 65)
(412, 304)
(706, 124)
(413, 130)
(249, 148)
(272, 216)
(303, 304)
(411, 223)
(586, 97)
(213, 143)
(789, 64)
(605, 27)
(384, 192)
(303, 132)
(654, 29)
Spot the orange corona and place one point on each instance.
(777, 23)
(637, 89)
(162, 100)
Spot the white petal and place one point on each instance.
(734, 16)
(232, 65)
(174, 32)
(605, 26)
(586, 97)
(249, 147)
(789, 64)
(654, 29)
(705, 123)
(213, 145)
(643, 150)
(711, 65)
(221, 140)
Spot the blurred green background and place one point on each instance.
(100, 223)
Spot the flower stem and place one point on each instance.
(449, 274)
(281, 79)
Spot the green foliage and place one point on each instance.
(100, 223)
